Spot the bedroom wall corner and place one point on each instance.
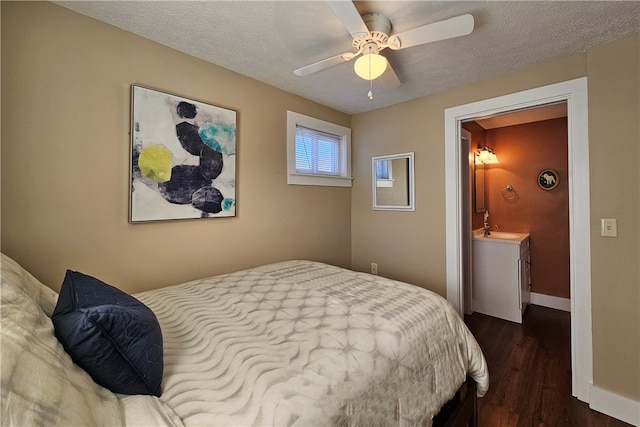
(65, 160)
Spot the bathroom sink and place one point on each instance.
(503, 235)
(499, 235)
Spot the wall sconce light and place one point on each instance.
(485, 155)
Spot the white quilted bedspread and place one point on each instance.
(302, 343)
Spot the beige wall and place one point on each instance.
(65, 142)
(411, 245)
(613, 73)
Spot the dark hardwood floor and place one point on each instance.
(530, 372)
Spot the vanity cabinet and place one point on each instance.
(501, 276)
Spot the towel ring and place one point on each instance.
(509, 193)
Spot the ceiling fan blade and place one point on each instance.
(325, 63)
(442, 30)
(350, 17)
(389, 79)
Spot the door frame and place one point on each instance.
(468, 206)
(574, 92)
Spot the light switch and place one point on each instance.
(608, 227)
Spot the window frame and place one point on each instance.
(344, 179)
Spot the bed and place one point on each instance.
(295, 343)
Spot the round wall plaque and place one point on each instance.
(548, 179)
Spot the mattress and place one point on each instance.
(302, 343)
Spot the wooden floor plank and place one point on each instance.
(530, 372)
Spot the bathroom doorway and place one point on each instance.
(574, 92)
(505, 194)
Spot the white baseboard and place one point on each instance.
(549, 301)
(614, 405)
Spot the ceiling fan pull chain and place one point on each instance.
(370, 94)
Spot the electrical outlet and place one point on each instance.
(374, 268)
(608, 227)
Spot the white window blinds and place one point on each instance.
(317, 152)
(383, 169)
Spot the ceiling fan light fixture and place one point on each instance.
(370, 66)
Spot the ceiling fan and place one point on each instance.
(371, 35)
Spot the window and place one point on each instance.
(319, 152)
(384, 173)
(382, 169)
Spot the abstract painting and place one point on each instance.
(183, 158)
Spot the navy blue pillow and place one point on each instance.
(110, 334)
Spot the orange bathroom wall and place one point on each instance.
(524, 151)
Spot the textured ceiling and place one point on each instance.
(267, 40)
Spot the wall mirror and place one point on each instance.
(393, 182)
(483, 157)
(480, 192)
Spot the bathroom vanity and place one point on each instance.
(501, 274)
